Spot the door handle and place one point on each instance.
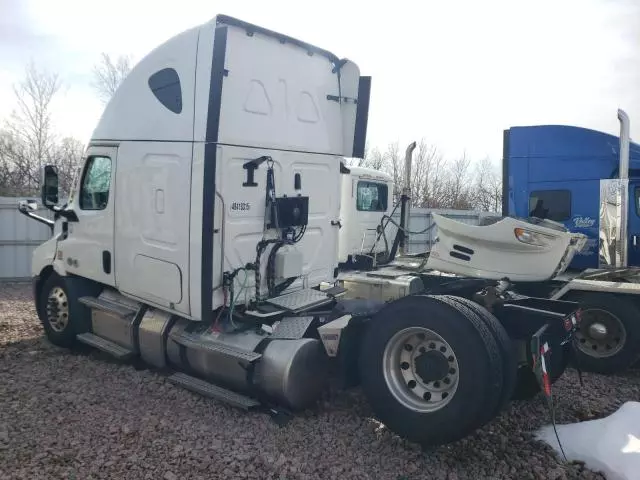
(106, 261)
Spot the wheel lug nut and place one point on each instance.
(451, 359)
(447, 380)
(436, 384)
(408, 347)
(422, 349)
(432, 345)
(404, 366)
(411, 384)
(452, 371)
(443, 349)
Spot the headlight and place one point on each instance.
(532, 238)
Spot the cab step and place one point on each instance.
(123, 311)
(105, 345)
(301, 300)
(213, 391)
(292, 328)
(190, 340)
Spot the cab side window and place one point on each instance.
(552, 204)
(371, 197)
(96, 182)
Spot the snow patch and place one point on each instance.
(610, 445)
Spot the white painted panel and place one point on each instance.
(349, 79)
(152, 218)
(134, 112)
(275, 96)
(167, 281)
(242, 228)
(195, 231)
(92, 234)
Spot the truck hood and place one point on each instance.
(494, 251)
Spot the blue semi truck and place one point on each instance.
(589, 182)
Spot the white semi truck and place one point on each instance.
(202, 236)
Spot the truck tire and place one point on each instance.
(61, 314)
(608, 337)
(506, 346)
(430, 368)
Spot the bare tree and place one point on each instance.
(458, 191)
(69, 155)
(108, 75)
(487, 187)
(427, 173)
(28, 139)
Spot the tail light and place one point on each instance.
(572, 320)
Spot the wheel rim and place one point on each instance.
(601, 334)
(421, 369)
(58, 309)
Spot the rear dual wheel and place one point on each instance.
(432, 369)
(608, 336)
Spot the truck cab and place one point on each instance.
(555, 172)
(366, 196)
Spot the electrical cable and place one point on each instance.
(406, 230)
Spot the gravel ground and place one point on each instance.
(79, 416)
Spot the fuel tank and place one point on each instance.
(291, 372)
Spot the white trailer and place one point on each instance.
(202, 235)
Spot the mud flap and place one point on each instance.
(541, 357)
(541, 354)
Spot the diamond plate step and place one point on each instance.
(112, 307)
(213, 391)
(292, 328)
(105, 345)
(193, 341)
(300, 300)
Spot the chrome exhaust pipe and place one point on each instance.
(623, 174)
(624, 144)
(406, 198)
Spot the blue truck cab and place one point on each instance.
(554, 172)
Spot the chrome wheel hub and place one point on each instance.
(420, 369)
(58, 309)
(600, 333)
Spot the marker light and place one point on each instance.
(527, 236)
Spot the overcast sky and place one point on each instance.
(454, 72)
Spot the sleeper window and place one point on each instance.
(552, 204)
(94, 192)
(371, 196)
(165, 85)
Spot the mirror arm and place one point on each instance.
(38, 218)
(70, 215)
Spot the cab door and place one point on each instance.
(88, 248)
(633, 224)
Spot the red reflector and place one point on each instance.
(568, 324)
(578, 315)
(547, 385)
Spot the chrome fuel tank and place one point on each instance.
(291, 372)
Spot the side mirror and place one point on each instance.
(49, 186)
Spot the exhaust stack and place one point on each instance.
(621, 240)
(614, 206)
(405, 208)
(624, 144)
